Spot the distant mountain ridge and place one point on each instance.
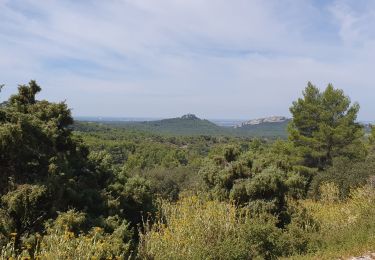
(190, 124)
(274, 126)
(258, 121)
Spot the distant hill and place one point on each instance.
(269, 126)
(259, 121)
(190, 124)
(186, 125)
(277, 129)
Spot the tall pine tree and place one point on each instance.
(324, 126)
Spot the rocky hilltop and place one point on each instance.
(190, 116)
(258, 121)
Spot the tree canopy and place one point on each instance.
(324, 126)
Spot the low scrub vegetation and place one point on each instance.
(91, 191)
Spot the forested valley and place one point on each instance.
(78, 190)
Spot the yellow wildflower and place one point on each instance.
(97, 229)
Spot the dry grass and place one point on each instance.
(347, 227)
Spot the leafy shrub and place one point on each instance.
(196, 229)
(329, 192)
(63, 241)
(346, 174)
(346, 227)
(23, 209)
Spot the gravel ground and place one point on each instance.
(368, 256)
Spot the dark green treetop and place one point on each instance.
(324, 126)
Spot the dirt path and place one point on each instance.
(368, 256)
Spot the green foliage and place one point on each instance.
(324, 127)
(175, 126)
(194, 228)
(372, 137)
(169, 183)
(131, 198)
(41, 129)
(269, 130)
(193, 126)
(155, 155)
(84, 190)
(71, 221)
(257, 178)
(346, 227)
(63, 240)
(23, 208)
(45, 169)
(346, 174)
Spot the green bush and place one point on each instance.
(346, 174)
(196, 229)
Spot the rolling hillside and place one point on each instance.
(191, 125)
(185, 125)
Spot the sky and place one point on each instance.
(237, 59)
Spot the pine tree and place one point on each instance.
(324, 126)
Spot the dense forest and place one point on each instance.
(78, 190)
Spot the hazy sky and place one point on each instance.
(163, 58)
